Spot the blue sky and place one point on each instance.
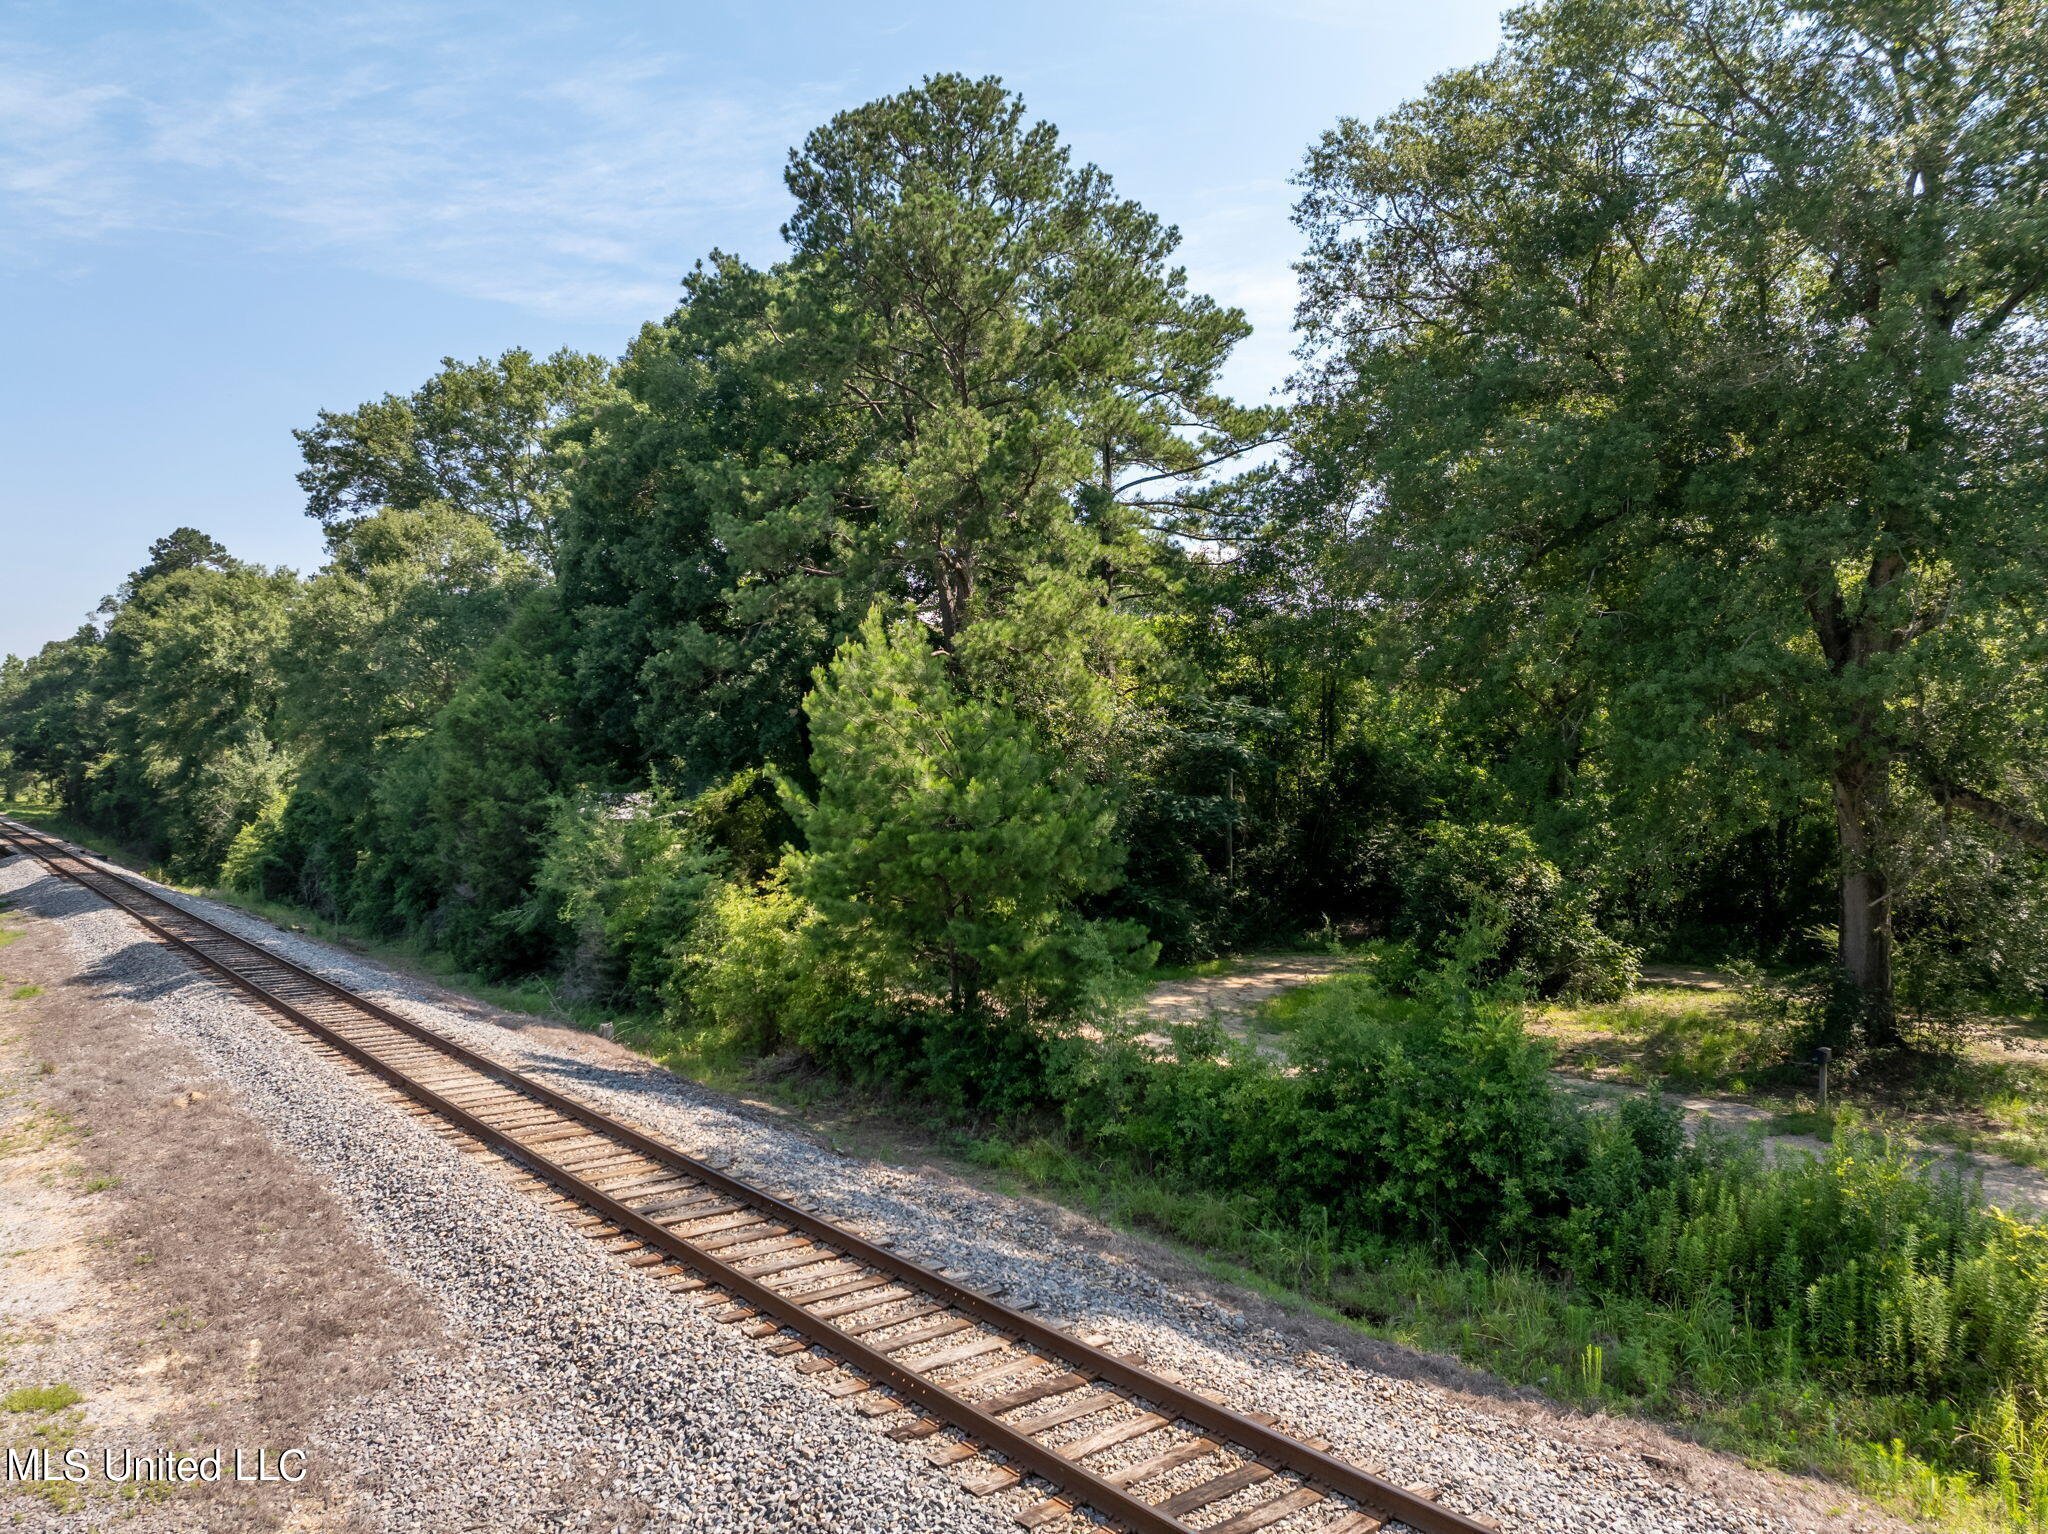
(217, 217)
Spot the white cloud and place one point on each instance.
(56, 154)
(484, 161)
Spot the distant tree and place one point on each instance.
(392, 625)
(185, 548)
(473, 437)
(501, 751)
(57, 721)
(1689, 358)
(977, 375)
(15, 772)
(192, 682)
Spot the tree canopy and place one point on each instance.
(1684, 363)
(475, 436)
(1651, 557)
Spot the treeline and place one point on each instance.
(902, 645)
(1650, 557)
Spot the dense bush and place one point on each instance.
(1389, 1115)
(627, 875)
(1493, 878)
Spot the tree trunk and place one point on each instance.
(1866, 921)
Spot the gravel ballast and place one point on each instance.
(591, 1399)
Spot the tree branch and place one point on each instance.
(2017, 824)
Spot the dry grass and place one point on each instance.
(244, 1294)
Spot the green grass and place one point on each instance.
(1712, 1040)
(41, 1399)
(1804, 1121)
(1280, 1014)
(1700, 1370)
(1201, 969)
(24, 992)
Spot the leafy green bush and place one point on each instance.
(748, 969)
(253, 864)
(627, 874)
(761, 966)
(1492, 878)
(1393, 1116)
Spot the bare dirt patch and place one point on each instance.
(1241, 990)
(190, 1284)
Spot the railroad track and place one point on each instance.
(1010, 1396)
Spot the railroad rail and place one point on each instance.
(1140, 1450)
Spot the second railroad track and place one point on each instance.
(1140, 1451)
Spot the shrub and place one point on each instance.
(1438, 1120)
(761, 965)
(747, 968)
(253, 863)
(1393, 1116)
(1492, 878)
(627, 874)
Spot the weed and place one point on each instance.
(1803, 1121)
(34, 1130)
(41, 1399)
(24, 992)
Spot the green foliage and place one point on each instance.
(627, 875)
(750, 970)
(970, 387)
(945, 849)
(873, 667)
(251, 863)
(1492, 879)
(1407, 1146)
(1392, 1116)
(473, 437)
(743, 817)
(501, 750)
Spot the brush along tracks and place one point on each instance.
(1000, 1394)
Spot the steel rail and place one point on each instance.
(1074, 1481)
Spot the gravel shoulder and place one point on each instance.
(570, 1395)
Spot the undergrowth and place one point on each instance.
(1696, 1366)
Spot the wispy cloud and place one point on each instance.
(487, 161)
(1240, 248)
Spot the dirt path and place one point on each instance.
(1240, 990)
